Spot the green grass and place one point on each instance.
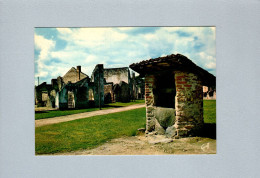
(209, 111)
(56, 113)
(87, 133)
(91, 132)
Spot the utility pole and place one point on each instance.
(38, 81)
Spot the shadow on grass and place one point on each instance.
(40, 111)
(209, 130)
(114, 106)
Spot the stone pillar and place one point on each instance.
(149, 101)
(57, 100)
(98, 75)
(38, 97)
(188, 104)
(63, 98)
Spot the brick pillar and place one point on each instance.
(188, 104)
(149, 101)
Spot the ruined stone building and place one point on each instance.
(69, 91)
(119, 85)
(209, 93)
(42, 95)
(76, 90)
(173, 95)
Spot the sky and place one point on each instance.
(56, 50)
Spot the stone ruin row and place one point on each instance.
(77, 90)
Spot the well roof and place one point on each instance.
(173, 62)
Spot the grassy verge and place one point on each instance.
(87, 133)
(56, 113)
(209, 113)
(209, 109)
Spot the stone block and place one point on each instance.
(165, 116)
(182, 132)
(150, 125)
(189, 127)
(158, 128)
(171, 131)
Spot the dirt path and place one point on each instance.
(141, 145)
(54, 120)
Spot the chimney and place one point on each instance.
(78, 72)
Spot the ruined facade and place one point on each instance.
(76, 90)
(209, 93)
(73, 90)
(120, 85)
(173, 95)
(74, 95)
(116, 75)
(42, 93)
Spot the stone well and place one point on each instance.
(173, 95)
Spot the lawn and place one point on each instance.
(209, 109)
(91, 132)
(87, 133)
(209, 113)
(56, 113)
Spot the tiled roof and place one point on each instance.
(173, 62)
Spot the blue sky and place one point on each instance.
(59, 49)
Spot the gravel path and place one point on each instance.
(55, 120)
(141, 145)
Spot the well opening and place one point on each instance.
(164, 90)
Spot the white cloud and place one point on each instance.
(64, 31)
(150, 37)
(42, 74)
(91, 58)
(119, 47)
(126, 28)
(92, 37)
(207, 57)
(44, 45)
(211, 65)
(68, 54)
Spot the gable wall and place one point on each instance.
(117, 75)
(71, 75)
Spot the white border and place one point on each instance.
(237, 28)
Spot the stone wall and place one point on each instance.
(98, 88)
(188, 104)
(116, 75)
(186, 118)
(81, 97)
(108, 93)
(63, 98)
(159, 120)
